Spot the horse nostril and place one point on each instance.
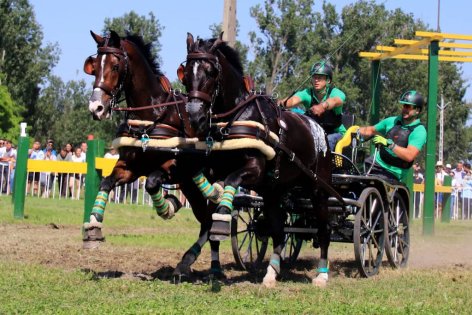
(99, 108)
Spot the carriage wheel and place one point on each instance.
(249, 248)
(293, 244)
(398, 239)
(370, 233)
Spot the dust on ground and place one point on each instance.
(61, 247)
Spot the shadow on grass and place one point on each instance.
(300, 272)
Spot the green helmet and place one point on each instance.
(413, 98)
(322, 68)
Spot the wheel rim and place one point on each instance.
(370, 233)
(398, 239)
(248, 249)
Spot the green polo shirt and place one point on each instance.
(306, 98)
(417, 138)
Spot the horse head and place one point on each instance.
(213, 78)
(109, 67)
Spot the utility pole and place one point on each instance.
(441, 107)
(229, 22)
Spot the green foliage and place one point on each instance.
(25, 62)
(63, 114)
(9, 116)
(292, 36)
(131, 23)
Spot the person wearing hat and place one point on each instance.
(321, 101)
(400, 138)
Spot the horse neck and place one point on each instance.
(232, 92)
(142, 87)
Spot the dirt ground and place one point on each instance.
(61, 247)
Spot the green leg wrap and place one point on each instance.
(159, 203)
(204, 185)
(228, 197)
(275, 262)
(98, 209)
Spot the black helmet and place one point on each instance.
(322, 68)
(414, 98)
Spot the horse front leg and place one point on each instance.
(276, 219)
(92, 230)
(165, 206)
(250, 174)
(324, 237)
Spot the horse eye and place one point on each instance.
(116, 67)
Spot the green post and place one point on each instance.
(446, 203)
(95, 148)
(19, 184)
(409, 185)
(428, 216)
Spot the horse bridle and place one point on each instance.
(122, 56)
(214, 61)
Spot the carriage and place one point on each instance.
(373, 216)
(324, 196)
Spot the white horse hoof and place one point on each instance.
(270, 280)
(321, 281)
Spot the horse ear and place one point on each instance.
(115, 37)
(88, 66)
(190, 42)
(181, 74)
(217, 42)
(98, 39)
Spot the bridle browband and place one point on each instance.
(214, 60)
(122, 56)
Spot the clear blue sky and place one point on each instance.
(68, 23)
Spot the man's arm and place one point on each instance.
(329, 104)
(290, 102)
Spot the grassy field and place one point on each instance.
(433, 284)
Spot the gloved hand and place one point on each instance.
(379, 140)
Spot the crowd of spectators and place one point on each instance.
(461, 183)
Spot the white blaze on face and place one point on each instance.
(102, 64)
(195, 68)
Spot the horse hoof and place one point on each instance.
(269, 283)
(220, 230)
(174, 201)
(92, 237)
(270, 279)
(321, 281)
(218, 237)
(91, 244)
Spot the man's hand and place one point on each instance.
(317, 110)
(379, 140)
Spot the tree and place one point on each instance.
(149, 28)
(292, 37)
(63, 114)
(23, 61)
(9, 117)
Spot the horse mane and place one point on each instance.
(146, 50)
(230, 53)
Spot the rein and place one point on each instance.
(133, 109)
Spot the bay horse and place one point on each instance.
(154, 121)
(222, 108)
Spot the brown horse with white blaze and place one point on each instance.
(154, 129)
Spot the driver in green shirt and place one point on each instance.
(401, 138)
(322, 101)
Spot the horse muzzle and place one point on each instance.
(97, 106)
(197, 115)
